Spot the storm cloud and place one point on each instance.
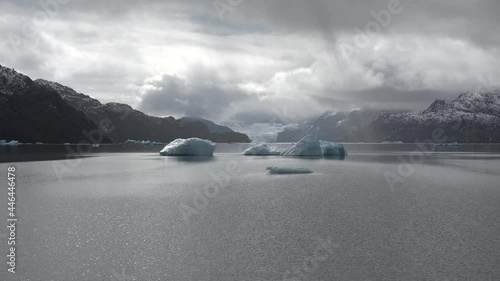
(292, 59)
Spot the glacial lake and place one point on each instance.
(385, 212)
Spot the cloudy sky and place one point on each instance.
(256, 58)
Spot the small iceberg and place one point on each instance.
(95, 145)
(143, 142)
(67, 143)
(307, 146)
(189, 147)
(287, 171)
(392, 142)
(261, 150)
(452, 144)
(39, 142)
(13, 142)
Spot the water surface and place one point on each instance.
(140, 216)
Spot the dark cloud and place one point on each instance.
(282, 58)
(172, 95)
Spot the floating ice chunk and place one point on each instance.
(3, 142)
(282, 171)
(143, 142)
(452, 144)
(392, 142)
(189, 147)
(95, 145)
(67, 143)
(261, 149)
(13, 142)
(307, 146)
(332, 149)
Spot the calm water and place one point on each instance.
(139, 216)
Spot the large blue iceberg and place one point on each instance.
(261, 149)
(312, 146)
(307, 146)
(332, 149)
(189, 147)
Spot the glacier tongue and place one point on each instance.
(189, 147)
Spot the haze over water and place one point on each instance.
(120, 216)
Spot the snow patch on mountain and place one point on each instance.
(11, 80)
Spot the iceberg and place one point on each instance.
(143, 142)
(307, 146)
(287, 171)
(332, 149)
(13, 142)
(189, 147)
(452, 144)
(261, 149)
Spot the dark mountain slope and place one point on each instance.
(31, 113)
(127, 123)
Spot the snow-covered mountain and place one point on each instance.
(331, 126)
(472, 117)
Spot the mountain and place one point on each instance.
(127, 123)
(212, 127)
(474, 117)
(330, 126)
(218, 132)
(33, 113)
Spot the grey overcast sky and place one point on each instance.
(224, 58)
